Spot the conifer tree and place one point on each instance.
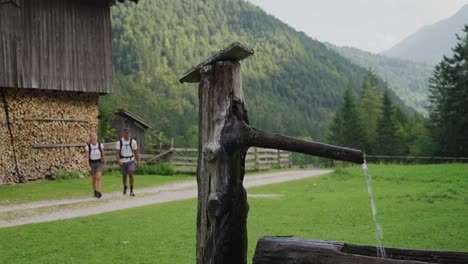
(449, 101)
(346, 129)
(370, 108)
(387, 128)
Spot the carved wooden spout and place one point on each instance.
(224, 138)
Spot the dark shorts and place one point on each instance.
(96, 167)
(127, 167)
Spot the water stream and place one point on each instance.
(378, 227)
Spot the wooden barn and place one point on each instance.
(126, 119)
(55, 61)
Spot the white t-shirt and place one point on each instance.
(126, 150)
(95, 153)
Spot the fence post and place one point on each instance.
(290, 161)
(257, 159)
(279, 158)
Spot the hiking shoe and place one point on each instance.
(99, 195)
(95, 194)
(125, 190)
(131, 193)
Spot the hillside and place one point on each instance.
(293, 84)
(408, 79)
(430, 43)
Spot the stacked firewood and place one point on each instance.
(49, 129)
(7, 168)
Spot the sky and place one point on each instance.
(371, 25)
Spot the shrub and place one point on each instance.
(156, 169)
(64, 175)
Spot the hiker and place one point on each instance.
(95, 163)
(126, 152)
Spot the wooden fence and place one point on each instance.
(185, 159)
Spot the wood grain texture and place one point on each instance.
(289, 250)
(56, 45)
(222, 200)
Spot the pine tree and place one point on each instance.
(346, 129)
(449, 101)
(370, 108)
(387, 138)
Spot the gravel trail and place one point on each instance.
(45, 211)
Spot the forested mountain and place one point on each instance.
(430, 43)
(408, 79)
(293, 84)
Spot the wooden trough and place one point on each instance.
(289, 250)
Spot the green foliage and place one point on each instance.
(292, 84)
(408, 79)
(156, 169)
(370, 107)
(449, 101)
(378, 126)
(106, 113)
(387, 128)
(61, 175)
(347, 127)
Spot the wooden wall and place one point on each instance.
(44, 131)
(120, 122)
(56, 45)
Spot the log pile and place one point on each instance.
(7, 168)
(48, 132)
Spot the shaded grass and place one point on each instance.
(419, 207)
(59, 189)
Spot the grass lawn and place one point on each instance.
(59, 189)
(420, 206)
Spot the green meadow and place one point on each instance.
(419, 206)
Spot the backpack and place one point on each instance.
(89, 150)
(121, 146)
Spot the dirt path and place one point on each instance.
(52, 210)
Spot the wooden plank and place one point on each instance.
(234, 52)
(268, 156)
(250, 157)
(186, 150)
(56, 119)
(178, 163)
(56, 45)
(185, 158)
(267, 162)
(159, 156)
(64, 145)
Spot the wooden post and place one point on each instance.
(224, 138)
(257, 159)
(279, 158)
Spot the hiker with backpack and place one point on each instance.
(95, 163)
(126, 152)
